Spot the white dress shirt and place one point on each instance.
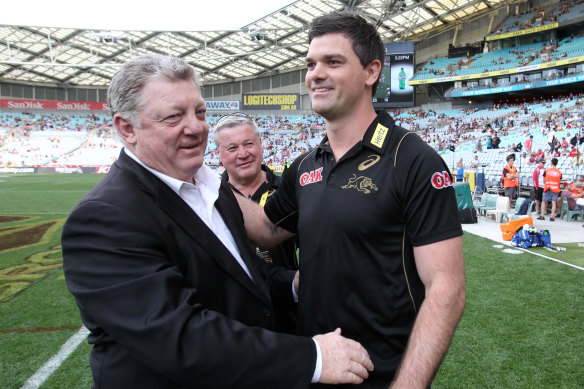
(201, 198)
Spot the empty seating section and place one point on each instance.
(506, 58)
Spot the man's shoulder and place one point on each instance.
(271, 177)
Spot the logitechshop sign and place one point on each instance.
(54, 105)
(278, 101)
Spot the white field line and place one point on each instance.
(550, 258)
(38, 378)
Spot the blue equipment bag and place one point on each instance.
(529, 236)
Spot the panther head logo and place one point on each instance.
(361, 183)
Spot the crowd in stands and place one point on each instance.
(477, 136)
(29, 139)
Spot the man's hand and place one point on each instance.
(344, 361)
(296, 281)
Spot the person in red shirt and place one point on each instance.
(538, 183)
(529, 145)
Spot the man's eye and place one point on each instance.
(171, 118)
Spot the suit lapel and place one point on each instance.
(230, 213)
(187, 219)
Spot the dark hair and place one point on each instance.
(554, 161)
(365, 39)
(510, 156)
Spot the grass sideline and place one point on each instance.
(522, 327)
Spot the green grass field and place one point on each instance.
(522, 327)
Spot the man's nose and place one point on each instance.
(317, 72)
(195, 126)
(242, 151)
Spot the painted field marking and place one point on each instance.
(41, 375)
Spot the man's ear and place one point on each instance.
(373, 72)
(125, 128)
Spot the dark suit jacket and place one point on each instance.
(166, 303)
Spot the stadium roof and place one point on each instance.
(272, 44)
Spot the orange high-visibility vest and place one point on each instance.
(552, 180)
(510, 182)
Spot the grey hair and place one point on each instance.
(124, 95)
(232, 120)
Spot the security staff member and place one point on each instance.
(551, 190)
(510, 178)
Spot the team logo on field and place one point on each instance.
(370, 161)
(361, 183)
(441, 180)
(311, 177)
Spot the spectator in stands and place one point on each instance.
(529, 145)
(577, 159)
(551, 139)
(574, 140)
(474, 164)
(538, 183)
(540, 154)
(479, 146)
(551, 190)
(564, 145)
(157, 258)
(489, 142)
(510, 178)
(573, 192)
(460, 171)
(496, 141)
(240, 152)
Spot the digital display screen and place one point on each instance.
(398, 68)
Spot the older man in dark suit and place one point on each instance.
(157, 258)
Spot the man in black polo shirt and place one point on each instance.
(240, 151)
(376, 217)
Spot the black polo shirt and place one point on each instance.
(284, 254)
(357, 221)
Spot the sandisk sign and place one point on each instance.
(54, 105)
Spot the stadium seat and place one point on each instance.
(570, 214)
(502, 205)
(491, 203)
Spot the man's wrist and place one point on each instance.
(318, 366)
